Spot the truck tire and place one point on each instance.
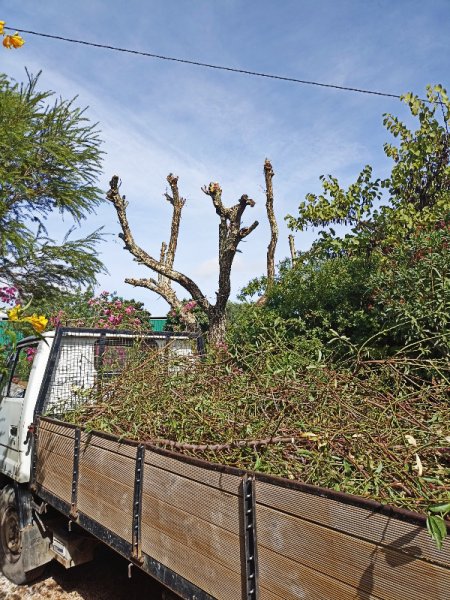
(12, 551)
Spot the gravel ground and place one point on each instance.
(106, 578)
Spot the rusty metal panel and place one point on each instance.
(105, 491)
(208, 503)
(290, 580)
(54, 463)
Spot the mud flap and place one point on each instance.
(37, 548)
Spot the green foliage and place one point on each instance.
(327, 294)
(352, 207)
(419, 185)
(411, 290)
(435, 522)
(48, 270)
(51, 159)
(383, 211)
(383, 286)
(260, 334)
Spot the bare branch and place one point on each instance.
(177, 203)
(162, 259)
(151, 284)
(142, 256)
(292, 249)
(215, 192)
(269, 173)
(166, 292)
(222, 447)
(245, 231)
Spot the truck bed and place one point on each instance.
(211, 531)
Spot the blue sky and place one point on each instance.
(158, 117)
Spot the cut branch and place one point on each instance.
(222, 447)
(177, 203)
(292, 249)
(269, 173)
(230, 234)
(142, 256)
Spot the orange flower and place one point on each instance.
(2, 25)
(13, 41)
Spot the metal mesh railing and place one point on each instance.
(86, 360)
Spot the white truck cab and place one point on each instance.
(19, 390)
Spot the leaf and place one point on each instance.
(418, 466)
(410, 440)
(437, 529)
(379, 468)
(442, 508)
(309, 435)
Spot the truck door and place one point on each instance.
(13, 387)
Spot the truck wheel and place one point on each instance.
(11, 549)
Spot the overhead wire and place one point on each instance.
(208, 65)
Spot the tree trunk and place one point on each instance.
(217, 327)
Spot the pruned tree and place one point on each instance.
(270, 259)
(231, 233)
(268, 174)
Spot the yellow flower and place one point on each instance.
(2, 25)
(13, 41)
(14, 313)
(39, 323)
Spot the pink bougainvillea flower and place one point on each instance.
(30, 352)
(8, 294)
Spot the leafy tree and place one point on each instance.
(381, 213)
(51, 159)
(411, 292)
(384, 284)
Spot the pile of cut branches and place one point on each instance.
(380, 431)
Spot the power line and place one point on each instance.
(207, 65)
